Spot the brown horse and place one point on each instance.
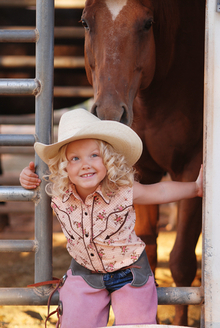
(144, 59)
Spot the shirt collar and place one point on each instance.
(72, 191)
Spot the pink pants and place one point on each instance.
(87, 307)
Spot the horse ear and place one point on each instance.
(167, 22)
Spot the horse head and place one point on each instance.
(120, 56)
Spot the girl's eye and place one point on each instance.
(74, 159)
(95, 155)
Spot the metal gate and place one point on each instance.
(42, 88)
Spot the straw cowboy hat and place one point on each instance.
(81, 124)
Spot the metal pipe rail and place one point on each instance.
(19, 87)
(180, 295)
(18, 35)
(14, 193)
(17, 139)
(18, 246)
(60, 32)
(27, 296)
(39, 296)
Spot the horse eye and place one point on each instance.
(84, 24)
(148, 24)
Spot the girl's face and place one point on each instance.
(85, 168)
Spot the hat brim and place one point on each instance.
(122, 138)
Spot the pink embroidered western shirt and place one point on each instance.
(100, 232)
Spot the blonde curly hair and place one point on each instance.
(119, 173)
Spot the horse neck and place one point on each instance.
(180, 58)
(179, 34)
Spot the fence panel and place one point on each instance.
(42, 88)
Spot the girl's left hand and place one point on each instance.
(199, 182)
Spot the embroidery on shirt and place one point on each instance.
(96, 200)
(90, 247)
(118, 219)
(101, 216)
(71, 208)
(101, 252)
(110, 266)
(119, 208)
(77, 224)
(124, 249)
(134, 256)
(110, 241)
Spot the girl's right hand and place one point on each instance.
(28, 178)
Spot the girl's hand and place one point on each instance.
(167, 191)
(28, 178)
(199, 182)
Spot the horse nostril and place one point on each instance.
(94, 110)
(124, 117)
(119, 113)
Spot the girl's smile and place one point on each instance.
(87, 175)
(85, 168)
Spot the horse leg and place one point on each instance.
(183, 263)
(146, 228)
(4, 219)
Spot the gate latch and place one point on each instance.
(218, 6)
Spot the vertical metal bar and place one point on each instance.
(44, 110)
(211, 215)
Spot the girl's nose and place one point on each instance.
(86, 165)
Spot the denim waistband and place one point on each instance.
(116, 280)
(140, 270)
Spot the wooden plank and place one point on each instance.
(29, 61)
(74, 4)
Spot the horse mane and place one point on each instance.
(166, 25)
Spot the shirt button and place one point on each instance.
(87, 235)
(92, 254)
(86, 213)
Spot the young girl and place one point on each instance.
(93, 190)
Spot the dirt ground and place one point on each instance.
(17, 269)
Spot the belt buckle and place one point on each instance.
(63, 279)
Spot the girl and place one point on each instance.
(93, 189)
